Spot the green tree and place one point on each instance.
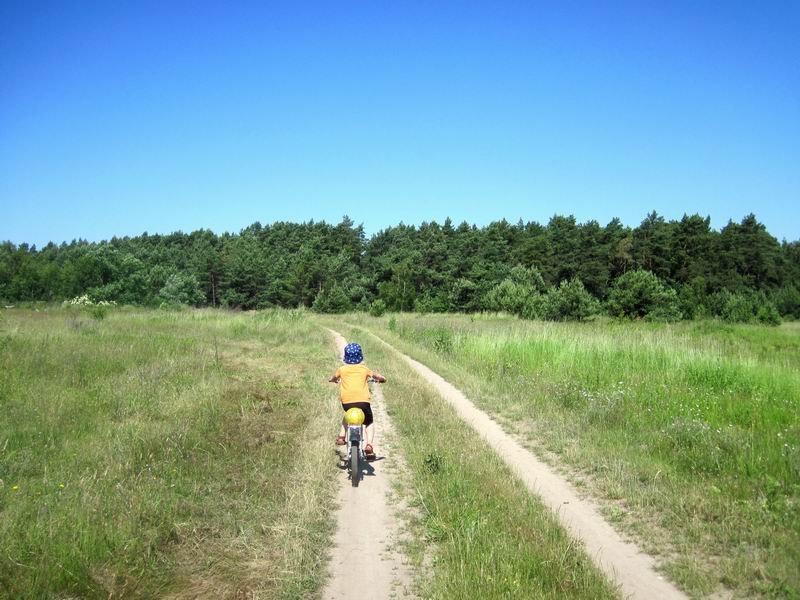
(518, 294)
(510, 297)
(332, 300)
(377, 308)
(692, 249)
(564, 241)
(640, 294)
(594, 267)
(767, 314)
(569, 302)
(787, 301)
(427, 268)
(181, 288)
(651, 245)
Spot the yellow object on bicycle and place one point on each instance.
(354, 416)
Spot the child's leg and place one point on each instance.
(370, 432)
(342, 432)
(369, 428)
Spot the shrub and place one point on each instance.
(363, 305)
(463, 295)
(429, 303)
(691, 302)
(509, 296)
(668, 309)
(181, 288)
(787, 301)
(530, 277)
(568, 302)
(332, 300)
(738, 308)
(533, 308)
(84, 300)
(640, 294)
(745, 308)
(519, 294)
(98, 311)
(377, 308)
(767, 314)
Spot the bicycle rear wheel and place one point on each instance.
(355, 473)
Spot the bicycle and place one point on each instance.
(354, 437)
(355, 456)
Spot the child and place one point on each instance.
(354, 391)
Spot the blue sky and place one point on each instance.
(164, 116)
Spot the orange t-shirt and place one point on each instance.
(353, 385)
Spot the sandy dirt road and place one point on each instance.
(364, 561)
(620, 559)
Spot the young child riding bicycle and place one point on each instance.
(354, 392)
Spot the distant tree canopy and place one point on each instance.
(560, 270)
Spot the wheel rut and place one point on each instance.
(621, 560)
(365, 562)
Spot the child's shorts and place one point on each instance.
(363, 406)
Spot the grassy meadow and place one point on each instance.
(155, 454)
(150, 453)
(689, 433)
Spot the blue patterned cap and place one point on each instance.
(353, 354)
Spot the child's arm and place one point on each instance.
(378, 377)
(334, 379)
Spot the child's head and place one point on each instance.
(353, 354)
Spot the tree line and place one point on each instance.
(562, 270)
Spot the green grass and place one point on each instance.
(481, 534)
(689, 432)
(151, 453)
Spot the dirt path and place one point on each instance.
(621, 560)
(364, 563)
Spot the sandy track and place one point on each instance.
(621, 560)
(364, 562)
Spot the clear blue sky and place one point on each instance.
(164, 116)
